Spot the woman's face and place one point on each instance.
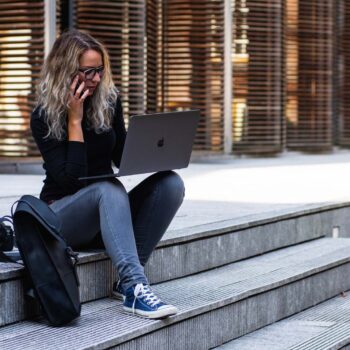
(89, 61)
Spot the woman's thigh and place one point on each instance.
(79, 214)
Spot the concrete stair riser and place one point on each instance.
(340, 218)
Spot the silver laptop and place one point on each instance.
(157, 142)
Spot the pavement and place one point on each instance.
(220, 188)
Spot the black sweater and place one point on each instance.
(65, 161)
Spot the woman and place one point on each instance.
(79, 128)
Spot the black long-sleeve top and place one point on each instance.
(65, 161)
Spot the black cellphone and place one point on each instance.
(77, 86)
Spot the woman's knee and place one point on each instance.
(172, 182)
(108, 188)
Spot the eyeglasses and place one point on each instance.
(90, 73)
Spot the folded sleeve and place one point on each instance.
(65, 161)
(120, 131)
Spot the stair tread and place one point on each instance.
(103, 324)
(322, 327)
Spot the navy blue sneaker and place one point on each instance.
(117, 291)
(142, 301)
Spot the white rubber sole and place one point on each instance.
(162, 313)
(118, 296)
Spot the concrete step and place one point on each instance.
(215, 306)
(323, 327)
(184, 252)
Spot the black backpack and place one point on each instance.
(47, 259)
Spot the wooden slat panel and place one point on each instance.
(21, 57)
(343, 25)
(153, 61)
(59, 19)
(120, 25)
(257, 110)
(192, 67)
(309, 70)
(168, 55)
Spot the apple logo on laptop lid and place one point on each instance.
(160, 142)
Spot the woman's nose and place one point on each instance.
(96, 78)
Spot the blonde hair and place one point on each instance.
(60, 67)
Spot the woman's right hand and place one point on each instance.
(76, 101)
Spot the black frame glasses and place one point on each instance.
(90, 73)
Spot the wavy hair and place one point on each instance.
(59, 69)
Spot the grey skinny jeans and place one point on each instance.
(131, 224)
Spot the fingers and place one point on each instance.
(85, 94)
(74, 85)
(79, 90)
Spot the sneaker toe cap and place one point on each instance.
(169, 308)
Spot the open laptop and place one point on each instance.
(156, 142)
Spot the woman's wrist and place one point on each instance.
(75, 131)
(74, 118)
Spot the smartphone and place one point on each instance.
(77, 86)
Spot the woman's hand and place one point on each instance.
(76, 110)
(76, 99)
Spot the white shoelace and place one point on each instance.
(146, 292)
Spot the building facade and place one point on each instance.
(267, 75)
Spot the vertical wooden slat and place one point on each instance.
(309, 37)
(336, 85)
(153, 55)
(344, 73)
(193, 49)
(62, 16)
(21, 57)
(257, 76)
